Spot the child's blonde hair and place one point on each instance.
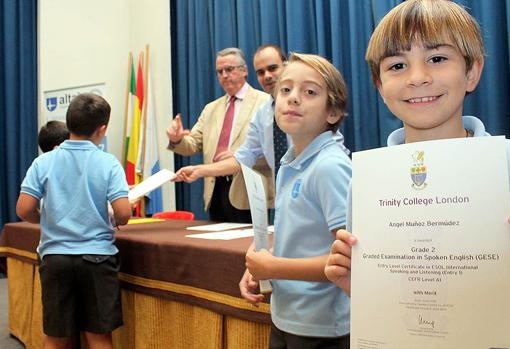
(337, 89)
(429, 22)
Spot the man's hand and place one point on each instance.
(338, 266)
(259, 264)
(175, 131)
(188, 174)
(248, 288)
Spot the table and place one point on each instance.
(177, 292)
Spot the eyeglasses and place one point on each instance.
(228, 69)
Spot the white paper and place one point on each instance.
(219, 226)
(258, 209)
(431, 268)
(151, 183)
(223, 235)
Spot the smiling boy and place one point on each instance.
(434, 58)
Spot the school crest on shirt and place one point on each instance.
(418, 171)
(296, 188)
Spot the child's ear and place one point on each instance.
(333, 117)
(379, 87)
(474, 74)
(101, 130)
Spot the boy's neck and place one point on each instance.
(75, 137)
(300, 142)
(451, 129)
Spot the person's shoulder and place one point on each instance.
(44, 158)
(332, 159)
(221, 101)
(260, 94)
(106, 158)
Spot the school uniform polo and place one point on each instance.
(76, 180)
(310, 202)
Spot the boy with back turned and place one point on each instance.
(79, 262)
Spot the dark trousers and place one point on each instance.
(221, 210)
(283, 340)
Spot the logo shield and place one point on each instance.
(51, 103)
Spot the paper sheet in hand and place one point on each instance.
(151, 183)
(258, 209)
(432, 263)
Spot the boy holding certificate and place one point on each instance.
(425, 57)
(79, 262)
(306, 310)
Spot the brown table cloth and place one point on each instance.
(158, 259)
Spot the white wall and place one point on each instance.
(88, 42)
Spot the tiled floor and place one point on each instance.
(6, 340)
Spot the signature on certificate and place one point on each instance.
(425, 322)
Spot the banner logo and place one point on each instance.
(51, 103)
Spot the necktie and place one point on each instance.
(224, 139)
(280, 146)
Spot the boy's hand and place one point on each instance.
(248, 288)
(188, 174)
(338, 266)
(259, 264)
(176, 131)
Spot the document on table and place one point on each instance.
(219, 226)
(258, 210)
(223, 235)
(431, 268)
(151, 183)
(226, 234)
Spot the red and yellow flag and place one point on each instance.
(134, 137)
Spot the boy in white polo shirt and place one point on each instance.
(311, 189)
(79, 262)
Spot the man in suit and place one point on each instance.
(219, 132)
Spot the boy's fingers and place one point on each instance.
(347, 237)
(340, 247)
(338, 259)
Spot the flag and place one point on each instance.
(132, 147)
(149, 157)
(130, 101)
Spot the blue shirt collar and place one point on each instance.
(72, 144)
(470, 123)
(321, 141)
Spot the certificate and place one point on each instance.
(431, 268)
(151, 183)
(258, 210)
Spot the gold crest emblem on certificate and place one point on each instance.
(418, 171)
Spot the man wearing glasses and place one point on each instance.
(219, 132)
(264, 139)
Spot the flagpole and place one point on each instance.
(126, 104)
(146, 82)
(141, 207)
